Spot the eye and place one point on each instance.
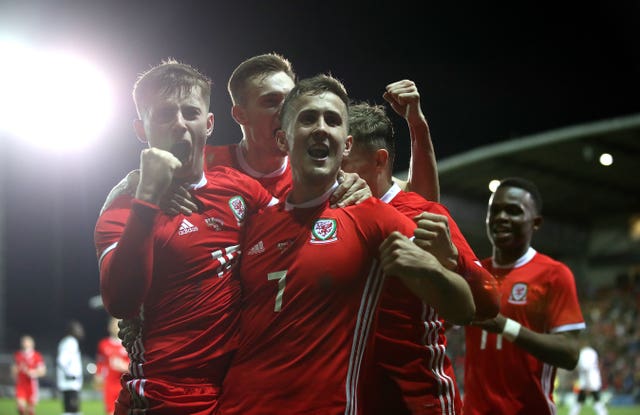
(191, 113)
(307, 118)
(333, 119)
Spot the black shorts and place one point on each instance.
(71, 401)
(582, 395)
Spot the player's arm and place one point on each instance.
(427, 278)
(404, 98)
(126, 269)
(40, 370)
(440, 235)
(557, 349)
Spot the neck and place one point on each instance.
(381, 187)
(507, 257)
(262, 161)
(304, 192)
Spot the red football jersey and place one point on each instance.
(500, 377)
(310, 283)
(109, 350)
(190, 307)
(414, 374)
(277, 182)
(26, 386)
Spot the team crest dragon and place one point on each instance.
(238, 207)
(518, 293)
(324, 231)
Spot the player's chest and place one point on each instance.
(324, 254)
(523, 293)
(198, 236)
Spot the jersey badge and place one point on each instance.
(256, 249)
(284, 245)
(519, 293)
(214, 223)
(186, 227)
(238, 207)
(324, 231)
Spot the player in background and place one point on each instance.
(414, 374)
(111, 361)
(589, 382)
(28, 366)
(511, 360)
(69, 370)
(311, 275)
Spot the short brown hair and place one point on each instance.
(260, 65)
(169, 77)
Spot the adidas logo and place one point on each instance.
(256, 249)
(186, 227)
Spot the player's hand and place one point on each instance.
(352, 190)
(178, 200)
(156, 174)
(128, 331)
(399, 256)
(492, 325)
(404, 98)
(433, 235)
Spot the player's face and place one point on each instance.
(180, 119)
(511, 219)
(317, 137)
(362, 161)
(261, 111)
(27, 343)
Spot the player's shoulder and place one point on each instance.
(416, 202)
(544, 260)
(228, 177)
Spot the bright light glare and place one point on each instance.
(606, 159)
(493, 185)
(52, 99)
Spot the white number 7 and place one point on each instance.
(281, 276)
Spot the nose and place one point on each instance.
(180, 123)
(320, 127)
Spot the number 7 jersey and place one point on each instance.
(311, 282)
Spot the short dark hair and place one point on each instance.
(372, 129)
(169, 77)
(316, 85)
(260, 65)
(526, 185)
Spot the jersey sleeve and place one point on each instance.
(564, 308)
(124, 245)
(484, 287)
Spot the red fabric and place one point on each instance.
(500, 377)
(303, 352)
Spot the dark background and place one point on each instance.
(486, 73)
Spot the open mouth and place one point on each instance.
(318, 152)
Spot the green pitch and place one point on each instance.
(54, 407)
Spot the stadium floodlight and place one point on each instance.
(52, 98)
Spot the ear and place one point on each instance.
(209, 124)
(537, 222)
(138, 127)
(281, 141)
(238, 113)
(382, 158)
(347, 146)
